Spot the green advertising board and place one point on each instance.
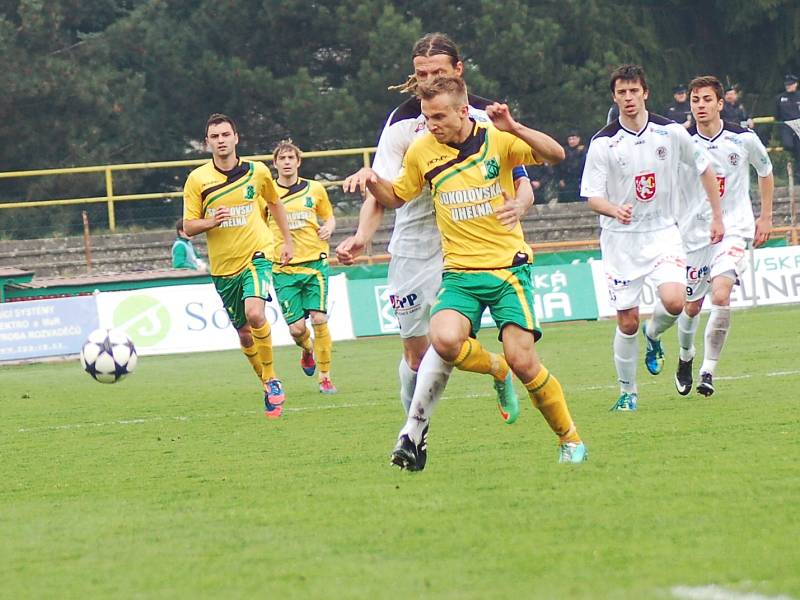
(562, 293)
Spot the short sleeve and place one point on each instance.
(192, 201)
(689, 153)
(594, 182)
(324, 208)
(757, 154)
(409, 181)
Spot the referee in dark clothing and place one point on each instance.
(787, 108)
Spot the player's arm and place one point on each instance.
(193, 220)
(366, 179)
(325, 212)
(593, 186)
(369, 220)
(545, 149)
(279, 214)
(709, 180)
(513, 209)
(759, 159)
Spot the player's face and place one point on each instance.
(705, 105)
(630, 97)
(221, 140)
(444, 117)
(287, 163)
(438, 65)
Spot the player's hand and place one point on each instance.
(357, 182)
(763, 229)
(324, 232)
(510, 213)
(624, 214)
(287, 251)
(717, 231)
(501, 117)
(221, 214)
(349, 249)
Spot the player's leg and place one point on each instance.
(717, 329)
(229, 290)
(288, 287)
(697, 286)
(413, 351)
(323, 348)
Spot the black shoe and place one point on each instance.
(410, 456)
(683, 378)
(706, 386)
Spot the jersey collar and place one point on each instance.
(715, 136)
(636, 133)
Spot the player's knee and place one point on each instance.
(692, 309)
(245, 338)
(297, 328)
(447, 344)
(318, 318)
(673, 305)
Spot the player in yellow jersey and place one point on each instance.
(302, 285)
(227, 199)
(468, 168)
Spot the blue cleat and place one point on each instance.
(654, 355)
(307, 363)
(274, 398)
(625, 403)
(507, 401)
(573, 452)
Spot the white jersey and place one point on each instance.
(415, 234)
(732, 151)
(641, 168)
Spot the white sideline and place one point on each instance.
(290, 409)
(717, 592)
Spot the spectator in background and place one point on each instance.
(542, 182)
(734, 112)
(679, 111)
(569, 170)
(184, 256)
(787, 108)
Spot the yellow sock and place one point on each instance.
(546, 394)
(323, 346)
(251, 354)
(474, 357)
(304, 340)
(262, 336)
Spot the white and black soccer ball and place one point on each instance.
(108, 355)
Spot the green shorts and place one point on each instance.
(507, 292)
(252, 282)
(301, 288)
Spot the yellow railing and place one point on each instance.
(108, 171)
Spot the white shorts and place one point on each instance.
(413, 285)
(703, 265)
(629, 258)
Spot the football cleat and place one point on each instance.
(326, 386)
(507, 401)
(683, 377)
(706, 385)
(573, 452)
(653, 355)
(307, 363)
(626, 402)
(410, 456)
(273, 392)
(272, 411)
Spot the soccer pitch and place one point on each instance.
(173, 484)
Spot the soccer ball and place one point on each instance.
(108, 355)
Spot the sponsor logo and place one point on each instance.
(721, 183)
(404, 304)
(436, 159)
(696, 274)
(143, 318)
(661, 153)
(645, 186)
(615, 284)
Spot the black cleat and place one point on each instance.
(706, 385)
(683, 377)
(410, 456)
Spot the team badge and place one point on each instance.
(733, 158)
(645, 186)
(661, 153)
(249, 192)
(491, 169)
(309, 202)
(721, 183)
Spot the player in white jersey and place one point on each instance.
(415, 269)
(631, 180)
(716, 267)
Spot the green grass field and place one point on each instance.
(173, 484)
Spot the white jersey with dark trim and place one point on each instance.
(733, 150)
(641, 168)
(415, 234)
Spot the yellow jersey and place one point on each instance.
(307, 207)
(467, 181)
(245, 190)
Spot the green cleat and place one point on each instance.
(625, 403)
(573, 452)
(653, 355)
(507, 401)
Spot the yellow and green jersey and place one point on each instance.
(307, 207)
(467, 183)
(245, 190)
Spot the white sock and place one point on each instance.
(717, 328)
(431, 380)
(626, 355)
(408, 380)
(659, 322)
(687, 328)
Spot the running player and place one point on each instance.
(715, 268)
(631, 180)
(302, 285)
(227, 198)
(468, 167)
(415, 270)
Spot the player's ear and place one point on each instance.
(459, 69)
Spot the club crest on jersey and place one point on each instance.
(249, 192)
(661, 153)
(721, 183)
(645, 186)
(733, 158)
(309, 202)
(490, 168)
